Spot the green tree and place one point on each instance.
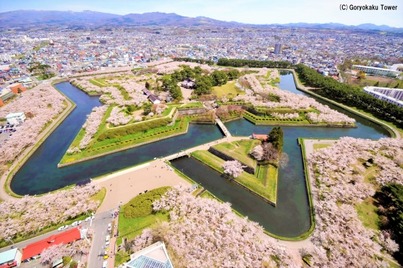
(361, 75)
(203, 85)
(41, 70)
(390, 198)
(219, 78)
(276, 137)
(147, 108)
(233, 74)
(176, 92)
(147, 85)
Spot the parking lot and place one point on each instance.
(6, 131)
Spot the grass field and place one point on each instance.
(228, 90)
(128, 141)
(265, 186)
(317, 146)
(366, 211)
(136, 215)
(130, 228)
(239, 150)
(268, 120)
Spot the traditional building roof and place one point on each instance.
(261, 137)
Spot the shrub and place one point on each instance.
(142, 205)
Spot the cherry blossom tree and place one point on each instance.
(53, 253)
(232, 168)
(30, 214)
(42, 103)
(205, 233)
(339, 185)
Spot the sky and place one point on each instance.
(246, 11)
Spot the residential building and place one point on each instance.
(17, 88)
(5, 94)
(377, 71)
(262, 137)
(15, 118)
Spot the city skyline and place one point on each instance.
(244, 11)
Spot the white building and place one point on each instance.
(15, 118)
(392, 95)
(377, 71)
(10, 258)
(154, 256)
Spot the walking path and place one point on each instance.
(123, 185)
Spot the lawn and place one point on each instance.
(130, 228)
(239, 150)
(99, 196)
(228, 90)
(99, 148)
(366, 211)
(266, 187)
(136, 215)
(269, 120)
(190, 105)
(152, 132)
(317, 146)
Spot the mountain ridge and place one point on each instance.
(88, 18)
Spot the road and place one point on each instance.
(100, 231)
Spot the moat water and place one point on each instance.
(291, 216)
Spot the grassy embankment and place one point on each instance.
(228, 90)
(135, 216)
(113, 139)
(391, 128)
(263, 185)
(307, 176)
(47, 129)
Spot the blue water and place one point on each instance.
(291, 216)
(40, 173)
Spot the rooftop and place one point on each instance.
(154, 256)
(36, 248)
(8, 255)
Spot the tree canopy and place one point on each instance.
(276, 138)
(350, 95)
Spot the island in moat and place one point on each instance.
(251, 162)
(158, 102)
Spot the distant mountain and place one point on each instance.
(53, 18)
(170, 19)
(366, 26)
(36, 18)
(27, 18)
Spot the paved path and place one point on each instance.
(123, 185)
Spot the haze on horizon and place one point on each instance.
(245, 11)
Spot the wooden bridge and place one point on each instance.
(223, 128)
